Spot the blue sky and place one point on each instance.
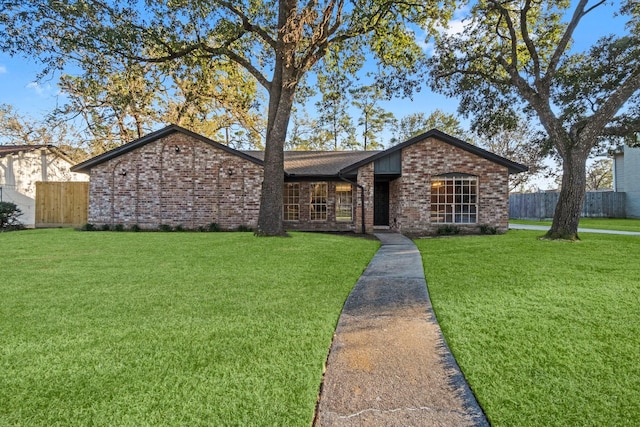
(19, 88)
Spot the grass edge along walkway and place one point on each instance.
(546, 332)
(107, 328)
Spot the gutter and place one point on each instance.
(361, 187)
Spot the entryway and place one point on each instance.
(381, 203)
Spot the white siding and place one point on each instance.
(20, 172)
(632, 181)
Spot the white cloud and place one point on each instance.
(37, 88)
(3, 69)
(455, 26)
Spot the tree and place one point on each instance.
(373, 118)
(120, 100)
(17, 129)
(520, 144)
(600, 175)
(416, 123)
(515, 55)
(277, 42)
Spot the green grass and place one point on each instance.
(168, 328)
(547, 332)
(598, 223)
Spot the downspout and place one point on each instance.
(361, 187)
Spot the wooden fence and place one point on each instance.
(61, 204)
(597, 204)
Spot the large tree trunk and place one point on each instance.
(270, 216)
(567, 214)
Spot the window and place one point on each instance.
(291, 202)
(454, 199)
(344, 202)
(318, 201)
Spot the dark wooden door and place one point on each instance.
(381, 203)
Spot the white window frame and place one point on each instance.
(318, 205)
(344, 202)
(291, 202)
(454, 199)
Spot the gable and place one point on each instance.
(87, 165)
(387, 160)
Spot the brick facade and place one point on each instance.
(176, 180)
(304, 223)
(410, 194)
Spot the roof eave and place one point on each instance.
(85, 167)
(512, 166)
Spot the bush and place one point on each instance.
(179, 227)
(88, 227)
(135, 227)
(118, 227)
(448, 230)
(213, 227)
(244, 228)
(9, 213)
(165, 227)
(488, 229)
(105, 227)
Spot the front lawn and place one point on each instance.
(597, 223)
(546, 332)
(107, 328)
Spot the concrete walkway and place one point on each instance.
(388, 364)
(580, 230)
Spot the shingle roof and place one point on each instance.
(435, 133)
(307, 163)
(317, 163)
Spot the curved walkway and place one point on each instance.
(388, 364)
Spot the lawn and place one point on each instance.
(599, 223)
(107, 328)
(546, 332)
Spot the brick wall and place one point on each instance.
(176, 180)
(331, 224)
(410, 194)
(366, 179)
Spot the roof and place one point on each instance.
(153, 136)
(6, 150)
(306, 163)
(435, 133)
(317, 163)
(15, 149)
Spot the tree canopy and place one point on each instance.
(276, 42)
(514, 56)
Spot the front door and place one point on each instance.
(381, 203)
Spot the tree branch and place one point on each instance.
(247, 25)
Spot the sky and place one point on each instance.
(19, 88)
(18, 85)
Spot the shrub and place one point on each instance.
(88, 227)
(179, 227)
(213, 227)
(244, 228)
(118, 227)
(448, 230)
(488, 229)
(135, 227)
(9, 213)
(105, 227)
(165, 227)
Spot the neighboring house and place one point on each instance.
(626, 178)
(21, 166)
(176, 177)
